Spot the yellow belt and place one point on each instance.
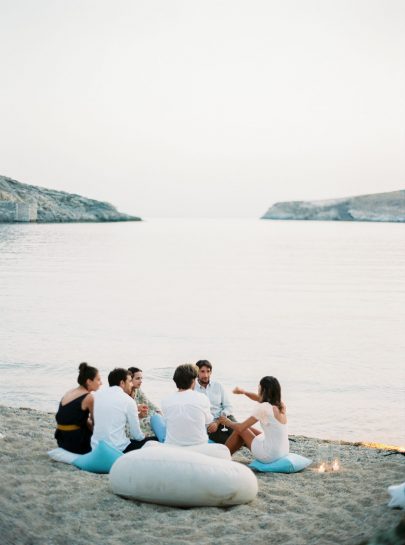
(68, 427)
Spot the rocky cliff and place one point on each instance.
(376, 207)
(55, 206)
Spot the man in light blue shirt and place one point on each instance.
(219, 401)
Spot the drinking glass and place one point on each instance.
(224, 428)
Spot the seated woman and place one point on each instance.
(75, 413)
(145, 406)
(272, 444)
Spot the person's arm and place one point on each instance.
(251, 395)
(209, 419)
(226, 404)
(151, 406)
(213, 427)
(238, 426)
(88, 404)
(133, 421)
(225, 407)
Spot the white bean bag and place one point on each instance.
(215, 450)
(397, 493)
(175, 476)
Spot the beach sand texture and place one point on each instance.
(48, 503)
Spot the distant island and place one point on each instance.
(389, 207)
(29, 203)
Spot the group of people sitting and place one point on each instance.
(199, 412)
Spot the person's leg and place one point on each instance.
(221, 436)
(234, 442)
(248, 436)
(238, 439)
(135, 445)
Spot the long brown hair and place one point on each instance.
(271, 392)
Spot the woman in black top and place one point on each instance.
(75, 414)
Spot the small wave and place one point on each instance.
(160, 373)
(20, 365)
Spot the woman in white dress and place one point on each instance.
(270, 411)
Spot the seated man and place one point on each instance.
(219, 402)
(186, 413)
(114, 409)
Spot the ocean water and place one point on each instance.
(319, 305)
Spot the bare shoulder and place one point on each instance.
(280, 415)
(71, 395)
(88, 401)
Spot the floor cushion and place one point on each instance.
(98, 460)
(61, 455)
(158, 426)
(179, 477)
(292, 463)
(397, 493)
(215, 450)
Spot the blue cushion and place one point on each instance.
(288, 464)
(158, 426)
(98, 460)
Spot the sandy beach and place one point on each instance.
(45, 502)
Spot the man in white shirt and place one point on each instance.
(114, 409)
(219, 401)
(186, 413)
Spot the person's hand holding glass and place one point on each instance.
(143, 410)
(223, 420)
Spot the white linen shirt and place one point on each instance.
(113, 410)
(219, 400)
(186, 415)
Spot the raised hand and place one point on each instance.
(238, 390)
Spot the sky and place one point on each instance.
(208, 108)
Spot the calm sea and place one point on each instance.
(319, 305)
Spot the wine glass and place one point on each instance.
(224, 428)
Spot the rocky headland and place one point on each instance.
(383, 207)
(23, 202)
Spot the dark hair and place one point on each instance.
(184, 376)
(86, 372)
(116, 375)
(204, 363)
(271, 392)
(134, 370)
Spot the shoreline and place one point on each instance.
(358, 443)
(45, 502)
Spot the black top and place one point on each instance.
(77, 441)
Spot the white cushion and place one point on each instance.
(215, 450)
(397, 493)
(180, 477)
(61, 455)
